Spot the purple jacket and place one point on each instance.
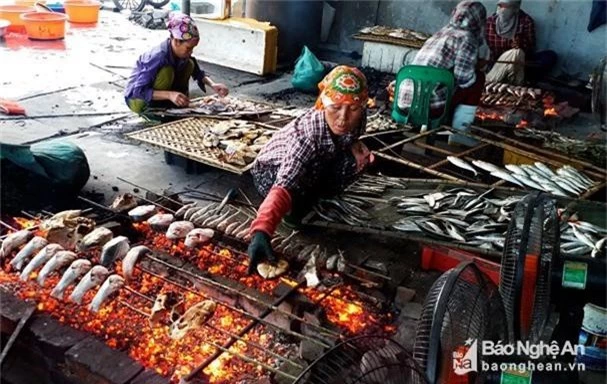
(141, 82)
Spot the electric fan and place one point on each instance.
(530, 252)
(364, 360)
(462, 308)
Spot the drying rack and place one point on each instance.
(489, 143)
(184, 138)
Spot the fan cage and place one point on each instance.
(526, 272)
(367, 359)
(463, 305)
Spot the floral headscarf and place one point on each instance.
(182, 27)
(469, 16)
(343, 85)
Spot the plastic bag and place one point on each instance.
(309, 71)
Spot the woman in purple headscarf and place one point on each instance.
(161, 75)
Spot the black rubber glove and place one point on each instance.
(259, 250)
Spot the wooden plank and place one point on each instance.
(244, 44)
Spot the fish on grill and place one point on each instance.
(75, 271)
(61, 219)
(162, 304)
(113, 250)
(28, 251)
(198, 236)
(142, 212)
(92, 279)
(60, 260)
(194, 318)
(179, 230)
(14, 241)
(41, 258)
(181, 211)
(131, 258)
(272, 270)
(97, 238)
(160, 222)
(110, 286)
(461, 164)
(123, 203)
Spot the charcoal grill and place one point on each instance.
(264, 320)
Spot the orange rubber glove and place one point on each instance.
(276, 204)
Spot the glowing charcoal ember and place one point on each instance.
(127, 327)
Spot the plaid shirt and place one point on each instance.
(452, 49)
(301, 150)
(525, 34)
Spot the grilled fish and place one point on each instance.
(60, 219)
(123, 203)
(97, 238)
(179, 230)
(60, 260)
(92, 279)
(75, 271)
(162, 304)
(142, 212)
(110, 286)
(461, 164)
(194, 318)
(223, 224)
(129, 261)
(40, 259)
(113, 250)
(198, 236)
(160, 222)
(271, 271)
(181, 211)
(14, 241)
(30, 249)
(232, 226)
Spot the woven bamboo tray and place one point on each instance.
(184, 138)
(260, 110)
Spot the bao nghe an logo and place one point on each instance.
(465, 358)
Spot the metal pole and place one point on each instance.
(417, 166)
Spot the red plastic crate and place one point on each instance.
(442, 259)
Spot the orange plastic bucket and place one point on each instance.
(82, 11)
(44, 25)
(12, 13)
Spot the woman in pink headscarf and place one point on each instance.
(161, 76)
